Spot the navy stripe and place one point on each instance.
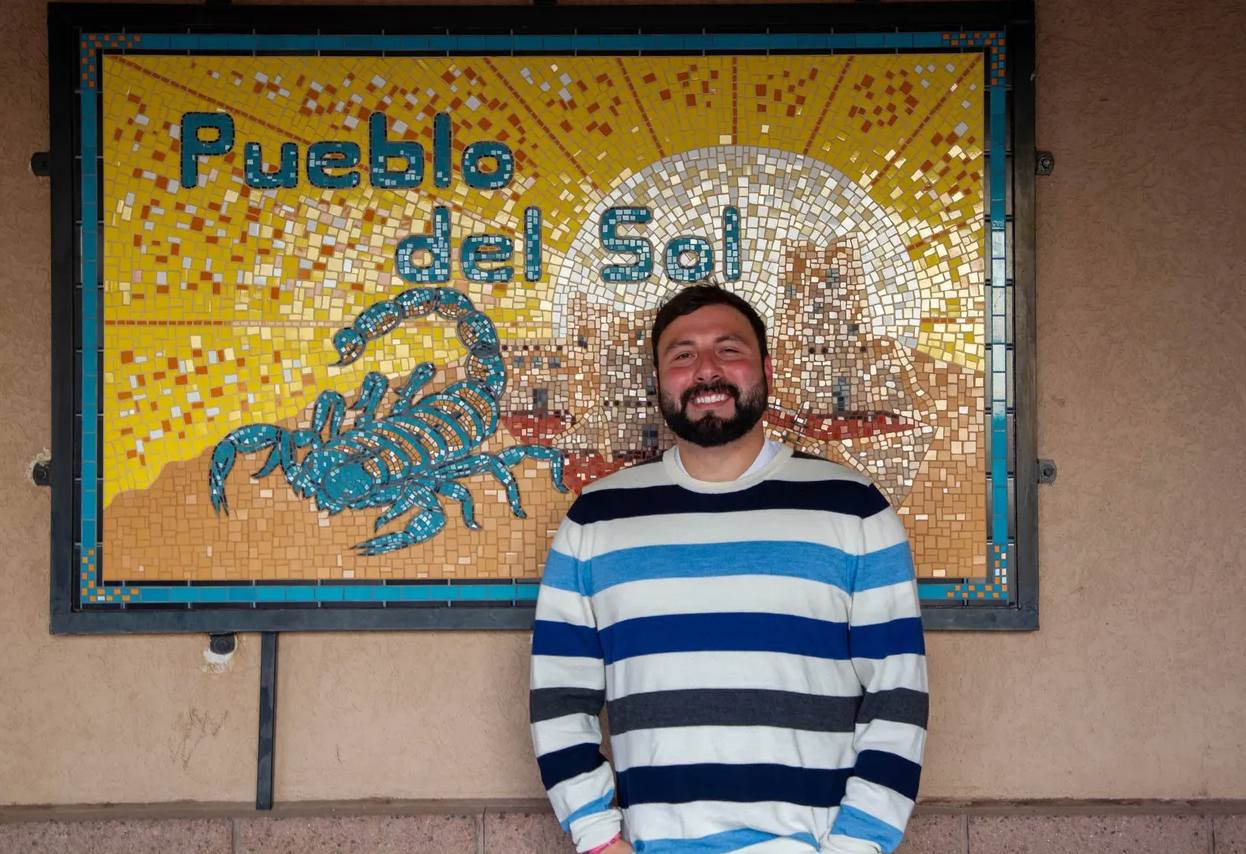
(901, 705)
(832, 496)
(550, 638)
(681, 784)
(546, 704)
(894, 637)
(568, 762)
(888, 769)
(731, 632)
(733, 707)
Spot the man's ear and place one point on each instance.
(768, 367)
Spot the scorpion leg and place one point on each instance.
(330, 408)
(371, 393)
(511, 456)
(419, 378)
(248, 440)
(423, 525)
(282, 454)
(480, 464)
(459, 492)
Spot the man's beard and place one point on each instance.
(711, 431)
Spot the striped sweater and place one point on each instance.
(758, 645)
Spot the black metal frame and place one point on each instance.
(66, 21)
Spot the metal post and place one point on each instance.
(268, 721)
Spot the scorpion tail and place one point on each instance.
(350, 345)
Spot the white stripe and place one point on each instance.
(720, 595)
(894, 671)
(593, 831)
(840, 844)
(568, 538)
(882, 803)
(563, 606)
(804, 471)
(733, 745)
(883, 530)
(569, 795)
(776, 671)
(557, 671)
(893, 602)
(632, 477)
(777, 846)
(703, 818)
(567, 731)
(836, 530)
(903, 740)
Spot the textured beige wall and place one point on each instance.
(1134, 686)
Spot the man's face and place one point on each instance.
(713, 385)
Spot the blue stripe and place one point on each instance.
(894, 637)
(860, 825)
(564, 639)
(888, 769)
(562, 572)
(809, 561)
(682, 784)
(725, 633)
(591, 808)
(568, 763)
(716, 843)
(832, 496)
(885, 567)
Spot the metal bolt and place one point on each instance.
(1046, 471)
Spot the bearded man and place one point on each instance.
(748, 614)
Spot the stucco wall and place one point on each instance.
(1134, 686)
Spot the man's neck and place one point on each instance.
(723, 463)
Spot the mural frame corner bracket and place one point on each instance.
(1046, 471)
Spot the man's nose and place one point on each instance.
(708, 368)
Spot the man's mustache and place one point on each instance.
(720, 387)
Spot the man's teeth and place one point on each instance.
(706, 399)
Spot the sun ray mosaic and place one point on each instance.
(375, 317)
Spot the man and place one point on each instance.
(749, 615)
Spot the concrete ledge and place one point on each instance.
(528, 827)
(214, 836)
(1083, 834)
(378, 834)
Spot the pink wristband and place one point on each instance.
(601, 848)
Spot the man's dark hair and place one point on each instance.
(697, 297)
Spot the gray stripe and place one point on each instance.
(731, 707)
(901, 705)
(548, 703)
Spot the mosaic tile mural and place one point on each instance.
(372, 317)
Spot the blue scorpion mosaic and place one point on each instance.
(404, 460)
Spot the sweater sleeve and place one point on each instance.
(889, 655)
(568, 684)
